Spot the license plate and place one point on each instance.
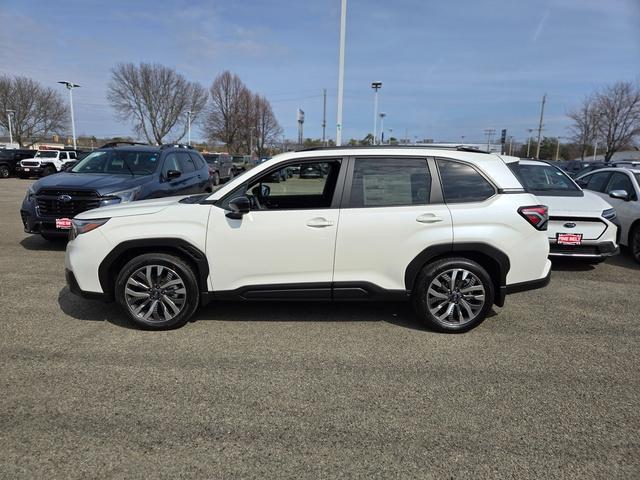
(569, 239)
(63, 223)
(25, 169)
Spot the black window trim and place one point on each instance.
(496, 189)
(337, 193)
(435, 195)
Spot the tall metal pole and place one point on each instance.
(343, 24)
(70, 86)
(544, 99)
(376, 86)
(189, 127)
(595, 149)
(9, 114)
(324, 116)
(529, 130)
(382, 115)
(558, 149)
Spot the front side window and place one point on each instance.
(197, 160)
(389, 182)
(545, 180)
(186, 164)
(461, 183)
(307, 185)
(621, 181)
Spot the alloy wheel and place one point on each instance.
(455, 296)
(155, 293)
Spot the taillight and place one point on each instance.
(536, 215)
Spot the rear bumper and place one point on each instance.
(505, 290)
(593, 250)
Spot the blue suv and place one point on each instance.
(112, 174)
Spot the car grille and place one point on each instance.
(30, 164)
(53, 202)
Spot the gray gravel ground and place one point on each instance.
(548, 387)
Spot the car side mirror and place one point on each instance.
(620, 195)
(238, 206)
(173, 174)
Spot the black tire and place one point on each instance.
(634, 243)
(54, 238)
(48, 170)
(477, 309)
(4, 171)
(216, 179)
(178, 269)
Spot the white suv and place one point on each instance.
(451, 230)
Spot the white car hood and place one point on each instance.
(590, 205)
(140, 207)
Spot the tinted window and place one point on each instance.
(382, 182)
(544, 179)
(597, 181)
(621, 181)
(462, 183)
(118, 162)
(186, 164)
(197, 160)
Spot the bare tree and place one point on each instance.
(583, 129)
(266, 125)
(37, 111)
(156, 98)
(618, 110)
(227, 116)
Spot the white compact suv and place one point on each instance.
(620, 187)
(581, 224)
(451, 230)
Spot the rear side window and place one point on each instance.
(390, 182)
(461, 183)
(597, 181)
(621, 181)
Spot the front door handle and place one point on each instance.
(319, 222)
(428, 218)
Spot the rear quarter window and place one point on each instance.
(461, 183)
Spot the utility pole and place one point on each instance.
(324, 117)
(9, 115)
(376, 86)
(343, 24)
(382, 115)
(489, 134)
(510, 144)
(529, 130)
(300, 128)
(70, 86)
(544, 99)
(189, 127)
(558, 148)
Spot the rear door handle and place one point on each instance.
(428, 218)
(319, 222)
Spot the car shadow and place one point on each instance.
(624, 260)
(36, 242)
(395, 313)
(571, 265)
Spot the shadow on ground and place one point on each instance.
(36, 242)
(91, 310)
(624, 260)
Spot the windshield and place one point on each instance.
(42, 154)
(545, 180)
(118, 162)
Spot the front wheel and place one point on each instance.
(48, 171)
(4, 171)
(453, 295)
(634, 243)
(158, 291)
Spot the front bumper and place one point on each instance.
(32, 223)
(31, 171)
(594, 250)
(72, 283)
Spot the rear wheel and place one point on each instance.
(453, 295)
(4, 171)
(634, 243)
(158, 291)
(48, 170)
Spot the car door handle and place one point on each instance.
(319, 222)
(428, 218)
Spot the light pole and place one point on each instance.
(462, 140)
(510, 144)
(595, 139)
(343, 24)
(376, 86)
(189, 127)
(70, 86)
(558, 148)
(529, 141)
(544, 99)
(9, 115)
(382, 115)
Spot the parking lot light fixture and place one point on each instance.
(376, 86)
(189, 127)
(382, 115)
(9, 115)
(70, 86)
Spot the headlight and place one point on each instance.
(30, 193)
(122, 196)
(79, 227)
(609, 213)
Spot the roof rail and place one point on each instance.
(459, 148)
(176, 145)
(121, 142)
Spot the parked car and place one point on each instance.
(311, 171)
(241, 163)
(45, 162)
(621, 187)
(10, 159)
(220, 167)
(108, 176)
(581, 224)
(450, 230)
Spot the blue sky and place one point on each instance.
(449, 68)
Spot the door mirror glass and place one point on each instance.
(619, 194)
(173, 174)
(238, 206)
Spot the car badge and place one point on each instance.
(64, 198)
(569, 225)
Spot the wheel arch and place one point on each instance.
(632, 227)
(125, 251)
(493, 260)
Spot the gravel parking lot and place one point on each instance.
(548, 387)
